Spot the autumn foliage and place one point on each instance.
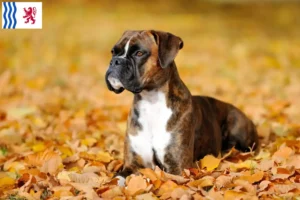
(62, 131)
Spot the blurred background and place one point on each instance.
(243, 52)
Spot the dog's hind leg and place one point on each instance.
(239, 131)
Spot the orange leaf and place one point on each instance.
(168, 186)
(282, 154)
(149, 173)
(136, 185)
(252, 178)
(112, 193)
(49, 161)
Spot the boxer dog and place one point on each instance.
(167, 126)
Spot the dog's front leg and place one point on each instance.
(178, 158)
(132, 162)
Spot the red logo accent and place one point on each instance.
(30, 14)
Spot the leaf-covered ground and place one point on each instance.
(62, 131)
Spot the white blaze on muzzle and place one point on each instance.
(115, 83)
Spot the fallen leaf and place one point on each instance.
(112, 193)
(136, 185)
(203, 182)
(166, 187)
(176, 178)
(90, 179)
(49, 161)
(246, 185)
(149, 173)
(223, 181)
(252, 177)
(284, 188)
(100, 156)
(210, 162)
(263, 185)
(89, 193)
(282, 154)
(147, 196)
(6, 181)
(230, 194)
(20, 112)
(179, 192)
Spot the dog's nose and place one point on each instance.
(118, 61)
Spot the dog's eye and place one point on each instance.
(112, 52)
(139, 53)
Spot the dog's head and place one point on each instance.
(140, 60)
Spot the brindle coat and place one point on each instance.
(199, 125)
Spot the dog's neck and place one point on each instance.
(173, 87)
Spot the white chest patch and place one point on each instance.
(153, 116)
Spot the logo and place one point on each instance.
(22, 15)
(30, 14)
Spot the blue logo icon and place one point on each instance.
(9, 15)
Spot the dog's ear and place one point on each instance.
(168, 47)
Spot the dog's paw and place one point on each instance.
(121, 181)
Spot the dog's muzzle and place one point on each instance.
(114, 74)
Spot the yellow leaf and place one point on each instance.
(248, 164)
(6, 181)
(21, 112)
(40, 123)
(210, 162)
(40, 146)
(66, 151)
(88, 141)
(203, 182)
(122, 126)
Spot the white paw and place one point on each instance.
(121, 181)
